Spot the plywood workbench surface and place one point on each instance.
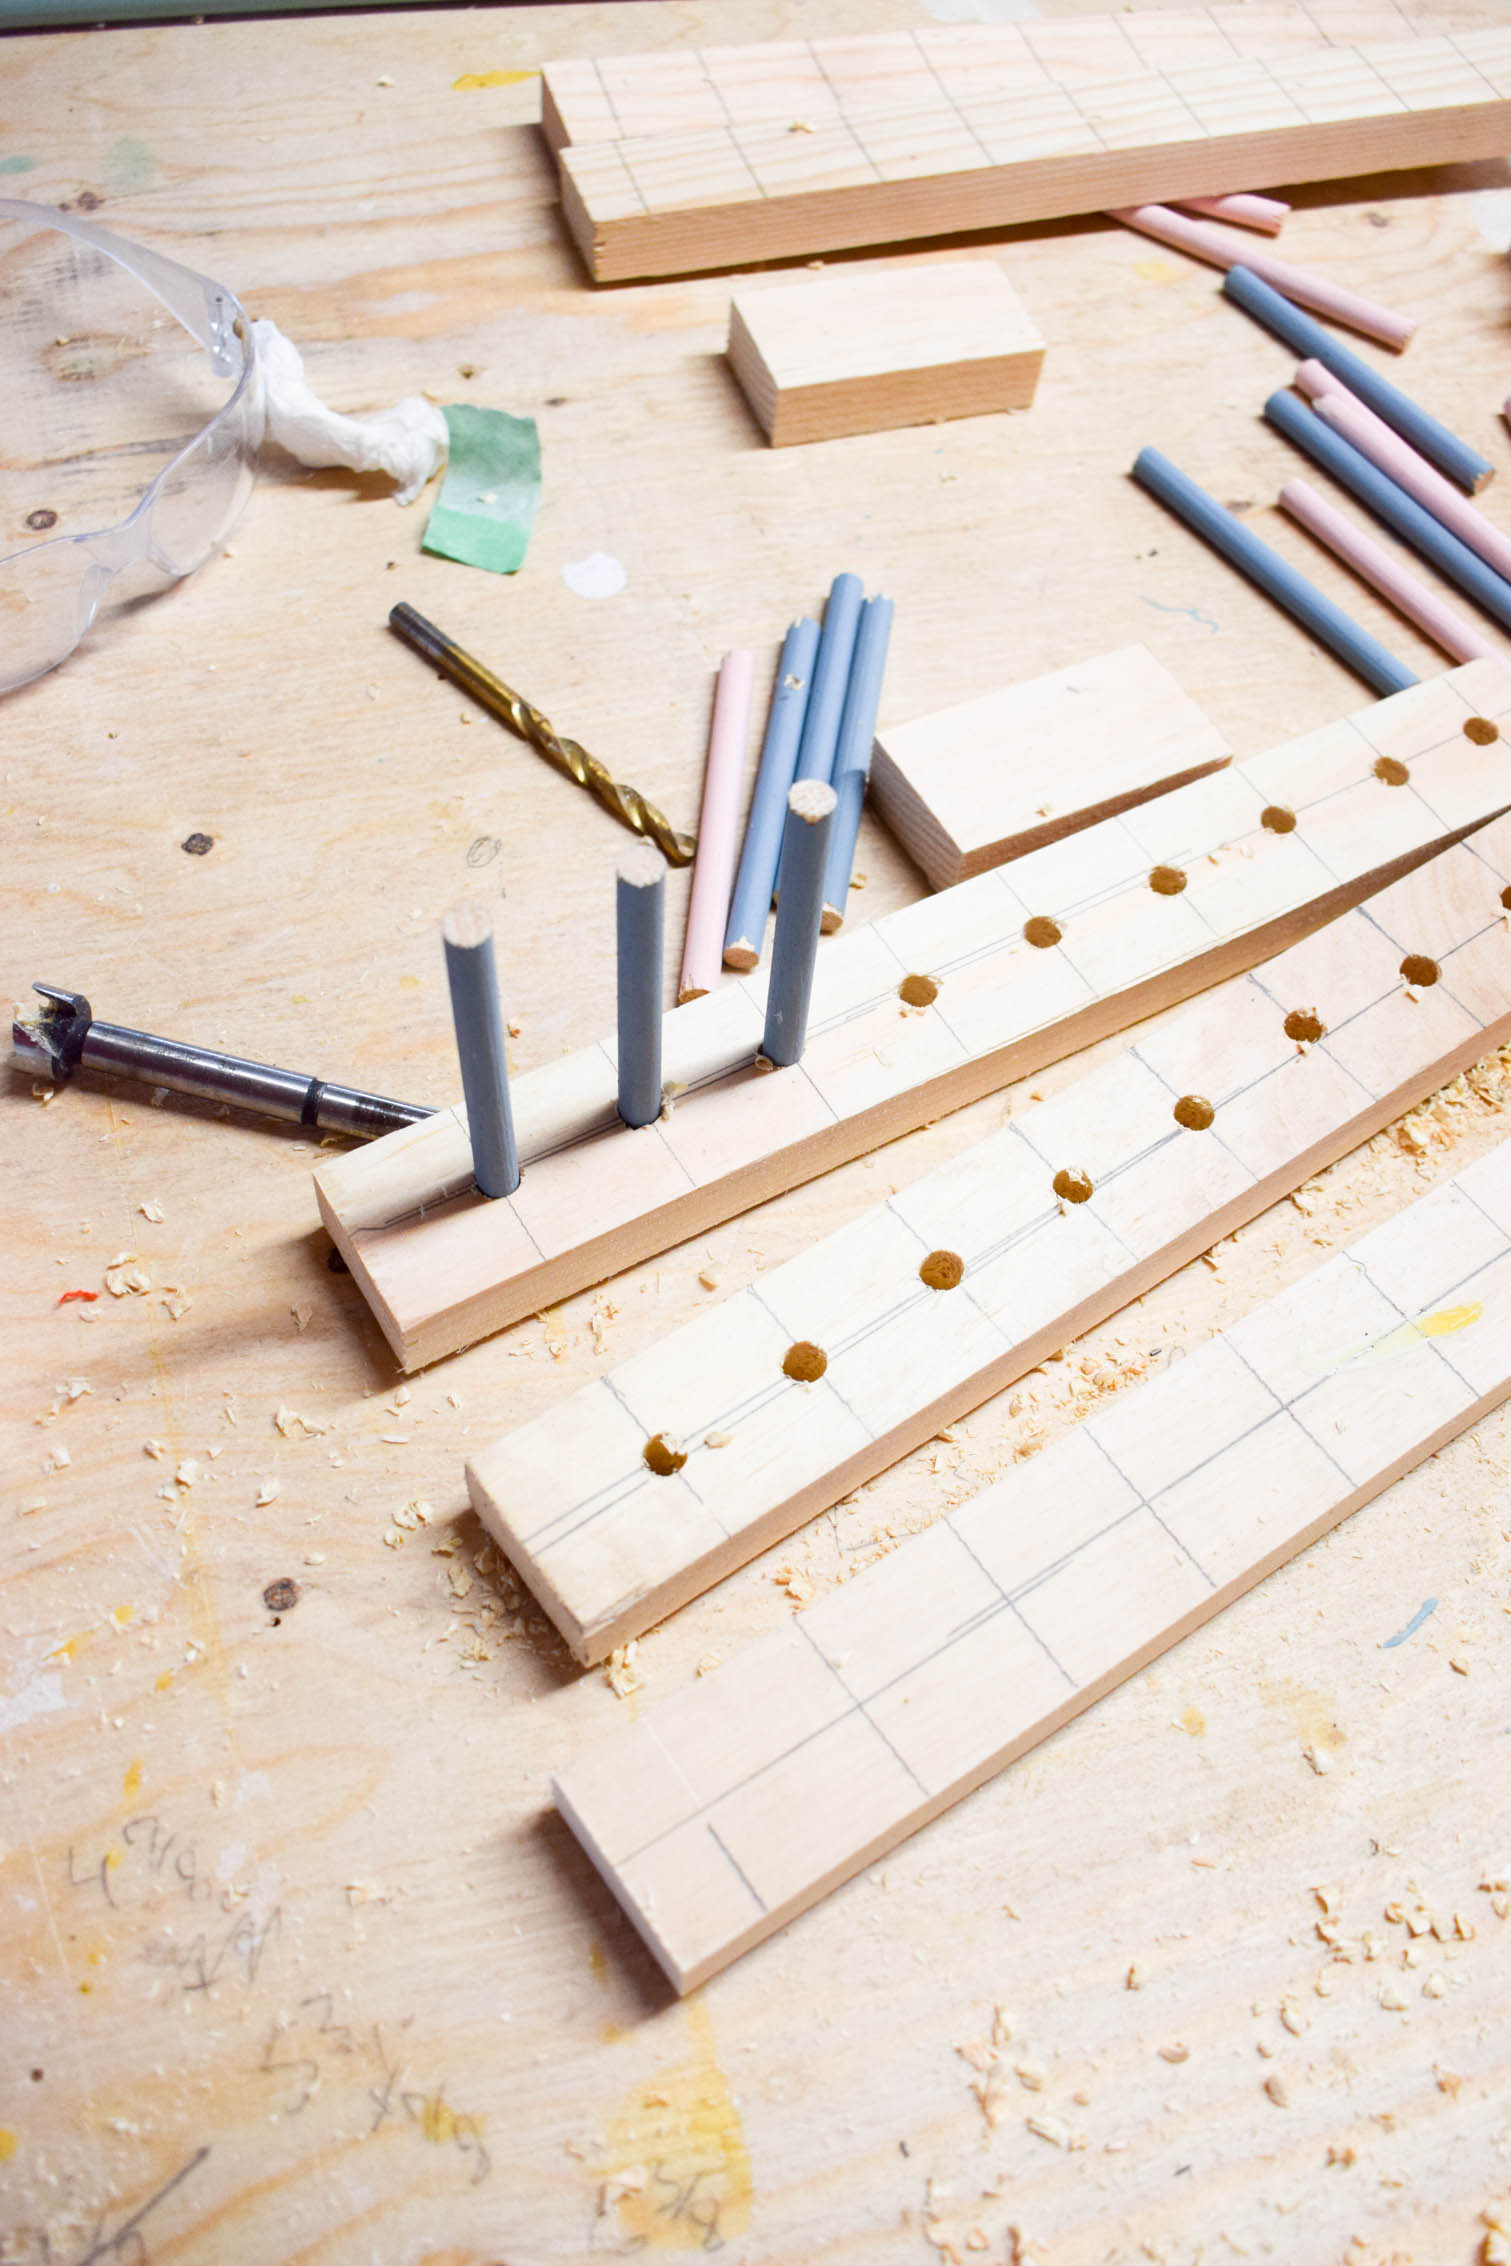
(298, 1963)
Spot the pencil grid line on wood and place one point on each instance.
(916, 1680)
(663, 203)
(441, 1266)
(631, 97)
(1057, 1220)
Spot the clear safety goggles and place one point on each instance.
(113, 360)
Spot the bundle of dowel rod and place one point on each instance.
(755, 883)
(718, 822)
(472, 974)
(1272, 574)
(1400, 512)
(1267, 214)
(794, 948)
(1464, 465)
(852, 755)
(640, 921)
(1205, 242)
(1385, 573)
(1400, 462)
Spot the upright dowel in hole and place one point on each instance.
(640, 917)
(473, 976)
(794, 947)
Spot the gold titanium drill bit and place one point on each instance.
(624, 803)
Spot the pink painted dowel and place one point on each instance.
(1384, 447)
(714, 866)
(1267, 214)
(1222, 250)
(1376, 566)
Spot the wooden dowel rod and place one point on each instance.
(1205, 242)
(718, 819)
(831, 675)
(1464, 465)
(1272, 574)
(1400, 462)
(794, 947)
(1400, 512)
(1385, 573)
(640, 922)
(755, 882)
(1266, 214)
(472, 974)
(852, 755)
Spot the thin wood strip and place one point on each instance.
(442, 1267)
(639, 1491)
(732, 1806)
(734, 193)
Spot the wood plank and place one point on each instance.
(739, 1801)
(631, 97)
(867, 349)
(672, 204)
(641, 1490)
(1017, 970)
(989, 779)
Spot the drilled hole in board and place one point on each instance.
(1042, 931)
(1167, 881)
(1072, 1187)
(1419, 971)
(1393, 773)
(804, 1362)
(1276, 819)
(1195, 1112)
(918, 991)
(1304, 1025)
(1506, 899)
(942, 1270)
(1482, 730)
(661, 1457)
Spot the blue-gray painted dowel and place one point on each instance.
(852, 752)
(831, 674)
(1428, 537)
(755, 882)
(1270, 572)
(794, 947)
(640, 925)
(472, 975)
(1463, 464)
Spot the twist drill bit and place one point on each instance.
(626, 804)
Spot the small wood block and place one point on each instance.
(1000, 995)
(733, 1805)
(923, 1307)
(859, 350)
(972, 786)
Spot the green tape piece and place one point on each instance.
(486, 507)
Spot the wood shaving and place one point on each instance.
(58, 1458)
(1176, 2051)
(1342, 2152)
(1391, 1999)
(622, 1671)
(152, 1210)
(268, 1492)
(1434, 1986)
(709, 1662)
(458, 1578)
(717, 1439)
(708, 1278)
(126, 1277)
(1319, 1758)
(1134, 1979)
(1030, 2075)
(1277, 2090)
(175, 1302)
(366, 1892)
(1291, 2017)
(288, 1422)
(1053, 2129)
(187, 1472)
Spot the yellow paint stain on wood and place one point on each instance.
(132, 1782)
(1158, 271)
(1450, 1318)
(71, 1647)
(8, 2144)
(161, 1683)
(1194, 1721)
(123, 1615)
(676, 2172)
(470, 81)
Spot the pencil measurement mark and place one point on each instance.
(127, 2241)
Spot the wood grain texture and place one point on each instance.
(988, 779)
(869, 349)
(932, 164)
(441, 1265)
(641, 1491)
(287, 1886)
(733, 1805)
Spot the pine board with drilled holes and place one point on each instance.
(737, 1802)
(967, 155)
(638, 1492)
(1022, 965)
